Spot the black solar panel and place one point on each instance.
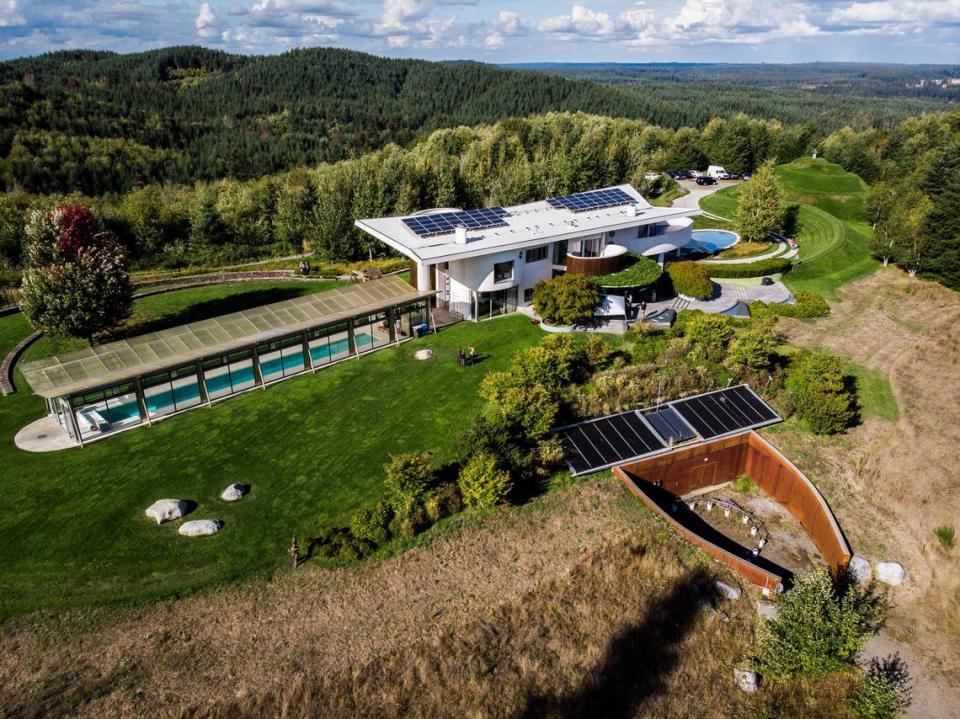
(604, 442)
(443, 222)
(725, 411)
(594, 200)
(669, 424)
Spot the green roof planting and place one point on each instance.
(125, 359)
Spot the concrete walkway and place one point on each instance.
(43, 435)
(725, 297)
(696, 192)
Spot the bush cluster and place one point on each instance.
(771, 266)
(809, 305)
(821, 392)
(690, 279)
(566, 300)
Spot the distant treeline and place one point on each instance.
(313, 209)
(99, 123)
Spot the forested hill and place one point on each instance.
(99, 122)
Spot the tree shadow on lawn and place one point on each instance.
(210, 308)
(636, 664)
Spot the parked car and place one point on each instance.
(716, 171)
(705, 180)
(745, 176)
(677, 174)
(694, 174)
(651, 176)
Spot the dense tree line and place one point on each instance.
(98, 122)
(313, 209)
(914, 201)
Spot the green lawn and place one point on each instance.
(874, 393)
(312, 447)
(833, 238)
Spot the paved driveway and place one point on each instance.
(696, 192)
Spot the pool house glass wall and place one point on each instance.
(97, 413)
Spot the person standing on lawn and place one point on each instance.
(295, 552)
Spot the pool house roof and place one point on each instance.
(123, 360)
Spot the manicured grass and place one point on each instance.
(746, 249)
(312, 448)
(875, 393)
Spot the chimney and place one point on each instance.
(460, 235)
(631, 210)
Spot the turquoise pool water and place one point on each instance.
(710, 241)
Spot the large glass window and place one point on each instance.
(106, 410)
(281, 358)
(229, 374)
(560, 252)
(503, 271)
(408, 317)
(588, 248)
(499, 302)
(537, 254)
(169, 392)
(329, 344)
(371, 332)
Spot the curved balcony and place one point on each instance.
(610, 260)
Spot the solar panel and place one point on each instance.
(669, 425)
(601, 443)
(593, 200)
(725, 411)
(443, 222)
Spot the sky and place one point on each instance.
(898, 31)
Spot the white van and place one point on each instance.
(717, 172)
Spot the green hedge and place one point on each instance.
(809, 305)
(772, 266)
(690, 279)
(640, 272)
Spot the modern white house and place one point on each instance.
(486, 262)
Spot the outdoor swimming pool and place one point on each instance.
(710, 241)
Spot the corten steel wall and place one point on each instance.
(704, 465)
(594, 266)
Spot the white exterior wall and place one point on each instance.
(678, 234)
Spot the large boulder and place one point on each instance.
(891, 573)
(728, 591)
(200, 527)
(167, 510)
(859, 569)
(234, 492)
(747, 680)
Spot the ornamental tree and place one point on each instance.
(567, 299)
(761, 209)
(77, 283)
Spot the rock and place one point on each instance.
(767, 610)
(423, 354)
(859, 569)
(166, 510)
(706, 606)
(891, 573)
(746, 680)
(728, 591)
(234, 492)
(200, 527)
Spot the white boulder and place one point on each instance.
(167, 510)
(767, 610)
(200, 527)
(728, 591)
(859, 569)
(234, 492)
(891, 573)
(746, 680)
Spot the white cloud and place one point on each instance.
(738, 21)
(584, 23)
(397, 14)
(10, 15)
(206, 23)
(911, 12)
(493, 41)
(509, 23)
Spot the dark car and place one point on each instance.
(706, 180)
(745, 176)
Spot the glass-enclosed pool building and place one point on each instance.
(101, 390)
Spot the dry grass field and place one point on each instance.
(576, 604)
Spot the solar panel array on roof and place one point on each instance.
(608, 441)
(601, 443)
(443, 222)
(593, 200)
(669, 425)
(725, 411)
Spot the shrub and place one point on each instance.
(497, 436)
(771, 266)
(482, 483)
(597, 351)
(821, 392)
(529, 407)
(640, 272)
(820, 627)
(566, 300)
(743, 484)
(754, 347)
(809, 305)
(409, 517)
(883, 692)
(408, 475)
(947, 536)
(372, 524)
(442, 502)
(549, 455)
(709, 335)
(690, 279)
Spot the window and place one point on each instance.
(560, 252)
(281, 358)
(228, 374)
(371, 331)
(528, 296)
(169, 392)
(649, 230)
(329, 344)
(106, 410)
(503, 271)
(588, 248)
(537, 254)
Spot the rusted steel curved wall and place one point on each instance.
(694, 468)
(594, 266)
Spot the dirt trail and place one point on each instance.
(891, 483)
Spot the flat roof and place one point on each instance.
(534, 223)
(123, 360)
